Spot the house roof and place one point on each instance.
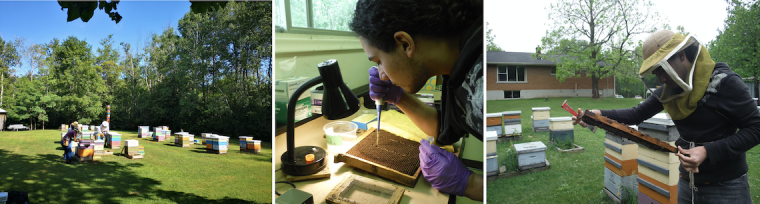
(516, 58)
(3, 111)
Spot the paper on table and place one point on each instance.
(399, 124)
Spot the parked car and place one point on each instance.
(17, 127)
(637, 97)
(618, 96)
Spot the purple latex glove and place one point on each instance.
(443, 169)
(379, 88)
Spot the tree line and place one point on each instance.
(211, 74)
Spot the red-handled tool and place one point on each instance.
(568, 109)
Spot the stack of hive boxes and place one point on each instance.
(133, 149)
(244, 143)
(255, 145)
(114, 140)
(540, 119)
(492, 166)
(620, 167)
(561, 130)
(658, 171)
(182, 139)
(143, 132)
(217, 144)
(84, 128)
(98, 149)
(512, 124)
(203, 137)
(161, 133)
(64, 127)
(493, 123)
(87, 135)
(141, 150)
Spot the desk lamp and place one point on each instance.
(337, 102)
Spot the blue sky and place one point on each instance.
(41, 21)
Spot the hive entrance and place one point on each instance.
(392, 151)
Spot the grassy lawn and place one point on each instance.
(573, 178)
(32, 161)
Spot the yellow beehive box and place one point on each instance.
(541, 113)
(560, 123)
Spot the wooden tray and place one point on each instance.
(377, 169)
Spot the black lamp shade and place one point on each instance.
(338, 100)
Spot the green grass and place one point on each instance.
(32, 161)
(573, 178)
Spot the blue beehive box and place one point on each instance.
(530, 155)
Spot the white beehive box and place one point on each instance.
(531, 154)
(541, 113)
(561, 123)
(132, 143)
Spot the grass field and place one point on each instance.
(573, 178)
(32, 161)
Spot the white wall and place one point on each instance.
(310, 50)
(499, 94)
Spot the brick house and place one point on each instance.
(517, 75)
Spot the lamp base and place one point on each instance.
(299, 167)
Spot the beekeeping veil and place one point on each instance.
(679, 101)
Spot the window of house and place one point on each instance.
(553, 71)
(511, 94)
(325, 17)
(510, 73)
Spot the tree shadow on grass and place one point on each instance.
(48, 179)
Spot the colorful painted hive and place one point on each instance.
(219, 144)
(256, 146)
(87, 135)
(141, 150)
(64, 127)
(182, 139)
(658, 171)
(114, 139)
(493, 123)
(244, 142)
(620, 167)
(511, 122)
(143, 132)
(530, 155)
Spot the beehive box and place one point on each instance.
(530, 155)
(541, 113)
(560, 123)
(203, 137)
(114, 140)
(512, 124)
(491, 138)
(492, 165)
(541, 125)
(620, 186)
(658, 171)
(132, 143)
(558, 136)
(662, 129)
(493, 123)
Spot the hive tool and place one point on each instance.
(568, 109)
(378, 105)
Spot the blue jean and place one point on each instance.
(734, 191)
(67, 153)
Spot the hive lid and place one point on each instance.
(530, 147)
(559, 119)
(660, 121)
(493, 115)
(491, 135)
(541, 108)
(511, 112)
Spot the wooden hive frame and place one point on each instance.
(378, 169)
(627, 132)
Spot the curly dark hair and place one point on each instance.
(378, 20)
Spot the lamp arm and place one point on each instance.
(292, 114)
